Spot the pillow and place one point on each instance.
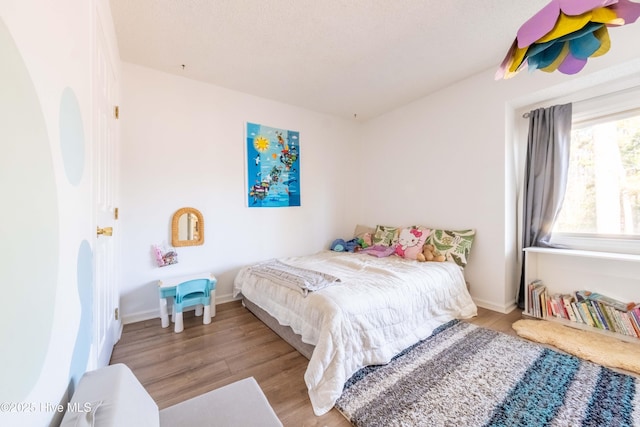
(410, 241)
(385, 236)
(454, 245)
(361, 230)
(365, 234)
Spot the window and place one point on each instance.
(601, 209)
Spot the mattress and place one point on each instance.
(378, 307)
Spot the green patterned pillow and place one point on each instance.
(385, 236)
(454, 245)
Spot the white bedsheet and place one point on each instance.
(380, 307)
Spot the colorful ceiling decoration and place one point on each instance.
(564, 34)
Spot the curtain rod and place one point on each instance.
(603, 95)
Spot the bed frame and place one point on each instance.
(285, 332)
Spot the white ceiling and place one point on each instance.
(342, 57)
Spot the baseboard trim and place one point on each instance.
(141, 316)
(221, 299)
(504, 309)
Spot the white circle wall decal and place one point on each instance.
(29, 228)
(72, 141)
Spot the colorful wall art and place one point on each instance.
(273, 166)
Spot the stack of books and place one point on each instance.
(537, 299)
(589, 308)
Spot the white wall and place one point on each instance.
(183, 145)
(47, 216)
(447, 161)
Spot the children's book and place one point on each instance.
(594, 296)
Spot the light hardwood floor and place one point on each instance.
(175, 367)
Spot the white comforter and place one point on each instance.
(380, 307)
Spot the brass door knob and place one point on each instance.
(106, 231)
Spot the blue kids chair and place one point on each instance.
(192, 293)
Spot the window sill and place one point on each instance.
(597, 243)
(585, 254)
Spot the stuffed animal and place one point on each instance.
(340, 245)
(429, 253)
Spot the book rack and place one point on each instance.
(563, 272)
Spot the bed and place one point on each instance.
(375, 308)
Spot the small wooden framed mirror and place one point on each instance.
(187, 227)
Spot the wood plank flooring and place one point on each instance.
(175, 367)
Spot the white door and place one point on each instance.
(106, 323)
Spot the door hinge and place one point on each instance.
(116, 112)
(115, 213)
(116, 314)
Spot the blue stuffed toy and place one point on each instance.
(340, 245)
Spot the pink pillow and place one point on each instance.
(410, 241)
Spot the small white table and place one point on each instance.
(167, 289)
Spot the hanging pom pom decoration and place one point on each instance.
(564, 34)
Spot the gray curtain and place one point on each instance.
(545, 178)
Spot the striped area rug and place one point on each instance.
(465, 375)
